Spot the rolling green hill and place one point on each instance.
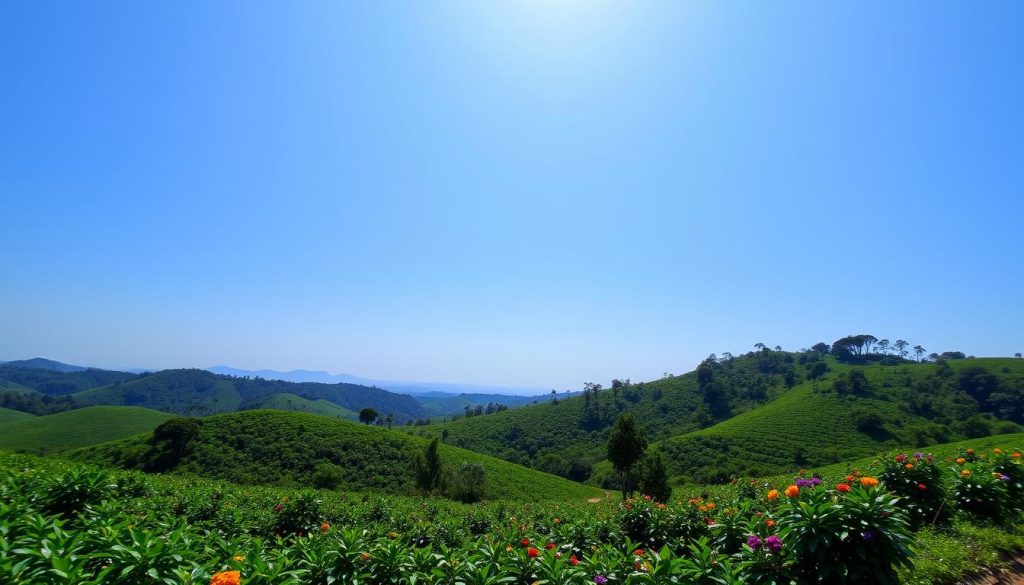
(300, 404)
(568, 437)
(7, 415)
(833, 419)
(77, 428)
(193, 392)
(755, 414)
(54, 381)
(290, 448)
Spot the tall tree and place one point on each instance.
(883, 346)
(626, 445)
(654, 477)
(901, 347)
(919, 351)
(428, 467)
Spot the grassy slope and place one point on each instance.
(299, 404)
(8, 416)
(562, 431)
(77, 428)
(810, 425)
(186, 392)
(274, 447)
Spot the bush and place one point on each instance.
(918, 482)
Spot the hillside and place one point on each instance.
(194, 392)
(567, 437)
(8, 416)
(42, 364)
(753, 404)
(836, 419)
(77, 428)
(56, 382)
(289, 448)
(296, 403)
(446, 404)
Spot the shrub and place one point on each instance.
(918, 481)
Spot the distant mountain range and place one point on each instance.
(402, 387)
(421, 399)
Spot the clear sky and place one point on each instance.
(534, 193)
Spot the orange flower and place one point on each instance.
(970, 451)
(960, 461)
(792, 491)
(1016, 455)
(325, 527)
(769, 523)
(965, 472)
(868, 482)
(711, 505)
(227, 578)
(773, 495)
(365, 556)
(910, 465)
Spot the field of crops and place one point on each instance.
(72, 523)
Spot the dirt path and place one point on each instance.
(1012, 574)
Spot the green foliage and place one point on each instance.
(654, 481)
(8, 415)
(917, 480)
(77, 428)
(626, 446)
(467, 483)
(286, 448)
(428, 468)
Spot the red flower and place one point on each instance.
(922, 487)
(532, 552)
(639, 552)
(549, 545)
(843, 487)
(901, 458)
(573, 560)
(525, 542)
(278, 508)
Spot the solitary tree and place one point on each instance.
(759, 346)
(428, 467)
(626, 446)
(918, 351)
(1017, 355)
(883, 346)
(654, 477)
(389, 420)
(367, 415)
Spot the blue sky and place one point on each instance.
(529, 193)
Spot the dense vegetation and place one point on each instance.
(853, 411)
(298, 449)
(77, 428)
(65, 523)
(787, 409)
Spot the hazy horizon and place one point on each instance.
(520, 194)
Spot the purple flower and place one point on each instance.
(754, 542)
(868, 535)
(1004, 477)
(600, 579)
(918, 455)
(815, 480)
(774, 543)
(804, 483)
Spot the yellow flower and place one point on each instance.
(965, 472)
(238, 558)
(960, 461)
(997, 451)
